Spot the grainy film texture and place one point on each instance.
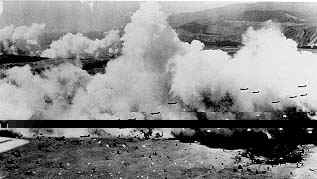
(130, 60)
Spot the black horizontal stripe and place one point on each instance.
(162, 124)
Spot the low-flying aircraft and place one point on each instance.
(274, 102)
(255, 92)
(7, 143)
(302, 86)
(172, 103)
(309, 130)
(85, 136)
(293, 97)
(304, 94)
(244, 89)
(154, 113)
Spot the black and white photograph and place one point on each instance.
(158, 89)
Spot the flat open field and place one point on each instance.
(47, 157)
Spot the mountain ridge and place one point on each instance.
(298, 21)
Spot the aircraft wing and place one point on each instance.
(7, 143)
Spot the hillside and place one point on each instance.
(38, 64)
(301, 11)
(224, 26)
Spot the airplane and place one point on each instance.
(304, 94)
(5, 140)
(153, 113)
(275, 102)
(310, 130)
(302, 86)
(255, 92)
(244, 89)
(83, 136)
(293, 96)
(7, 143)
(172, 103)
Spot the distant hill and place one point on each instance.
(275, 15)
(226, 24)
(259, 12)
(39, 64)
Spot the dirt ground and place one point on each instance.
(46, 157)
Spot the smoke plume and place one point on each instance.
(78, 46)
(268, 73)
(157, 73)
(45, 96)
(21, 40)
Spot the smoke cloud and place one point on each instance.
(267, 74)
(21, 40)
(138, 80)
(45, 96)
(78, 46)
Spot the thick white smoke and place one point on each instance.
(199, 71)
(266, 74)
(138, 80)
(21, 39)
(79, 46)
(45, 96)
(271, 63)
(155, 68)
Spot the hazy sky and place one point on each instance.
(85, 16)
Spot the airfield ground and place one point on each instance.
(45, 157)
